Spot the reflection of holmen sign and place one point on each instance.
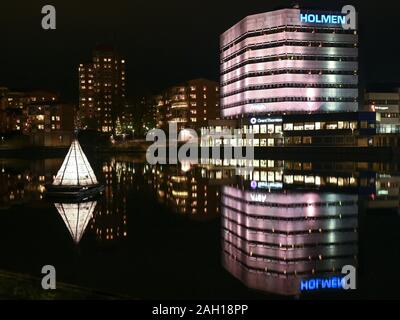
(348, 281)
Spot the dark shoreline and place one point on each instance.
(284, 153)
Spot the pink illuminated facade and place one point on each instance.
(273, 240)
(274, 63)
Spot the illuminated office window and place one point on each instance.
(263, 176)
(271, 163)
(298, 127)
(332, 126)
(288, 126)
(309, 126)
(288, 179)
(263, 128)
(271, 128)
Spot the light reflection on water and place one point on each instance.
(281, 222)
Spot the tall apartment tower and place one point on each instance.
(102, 90)
(289, 61)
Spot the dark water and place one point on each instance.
(209, 231)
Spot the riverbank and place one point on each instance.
(289, 152)
(16, 286)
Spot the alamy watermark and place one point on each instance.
(187, 147)
(49, 280)
(49, 20)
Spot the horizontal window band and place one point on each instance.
(291, 85)
(281, 29)
(289, 43)
(289, 71)
(290, 58)
(289, 99)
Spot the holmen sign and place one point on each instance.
(347, 18)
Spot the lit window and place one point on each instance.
(263, 128)
(288, 126)
(298, 127)
(332, 126)
(309, 126)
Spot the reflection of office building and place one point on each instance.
(102, 90)
(387, 193)
(76, 217)
(271, 241)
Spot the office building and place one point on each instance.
(275, 62)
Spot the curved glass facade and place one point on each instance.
(275, 62)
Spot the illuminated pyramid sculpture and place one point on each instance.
(76, 169)
(76, 178)
(76, 217)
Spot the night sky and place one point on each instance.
(164, 42)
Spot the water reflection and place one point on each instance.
(281, 222)
(184, 191)
(272, 240)
(76, 217)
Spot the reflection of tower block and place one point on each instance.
(110, 222)
(271, 241)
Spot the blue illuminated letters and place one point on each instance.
(322, 18)
(320, 283)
